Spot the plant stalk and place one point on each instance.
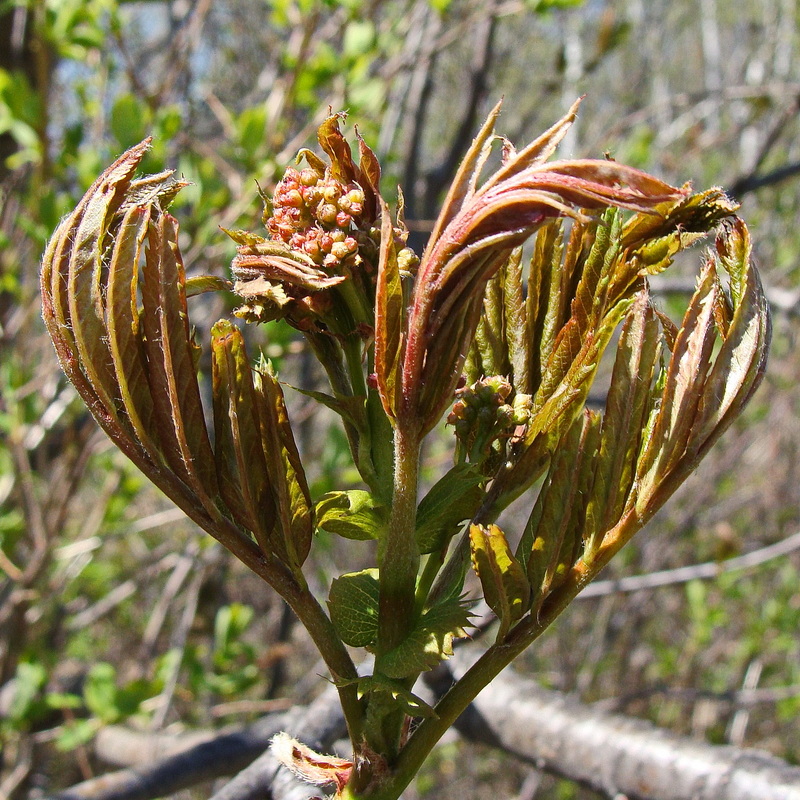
(399, 556)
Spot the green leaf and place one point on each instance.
(359, 38)
(349, 407)
(353, 603)
(128, 121)
(28, 682)
(518, 342)
(100, 692)
(505, 584)
(76, 732)
(201, 284)
(453, 499)
(430, 642)
(352, 515)
(489, 339)
(251, 128)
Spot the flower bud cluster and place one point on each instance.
(482, 415)
(317, 215)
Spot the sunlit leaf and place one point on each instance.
(430, 641)
(627, 407)
(505, 584)
(352, 515)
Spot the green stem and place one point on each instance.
(335, 655)
(399, 556)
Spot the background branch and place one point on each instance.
(613, 754)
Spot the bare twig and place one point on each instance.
(741, 718)
(737, 698)
(704, 571)
(179, 640)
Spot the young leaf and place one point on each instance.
(353, 603)
(146, 397)
(288, 478)
(741, 361)
(627, 406)
(172, 375)
(401, 697)
(690, 361)
(505, 584)
(244, 481)
(311, 767)
(125, 337)
(553, 532)
(352, 515)
(389, 319)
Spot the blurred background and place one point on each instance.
(116, 609)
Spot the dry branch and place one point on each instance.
(265, 779)
(705, 571)
(226, 754)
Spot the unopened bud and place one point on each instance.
(326, 213)
(340, 250)
(331, 193)
(309, 177)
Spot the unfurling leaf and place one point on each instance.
(704, 390)
(352, 515)
(286, 471)
(241, 464)
(551, 542)
(353, 603)
(389, 319)
(397, 336)
(476, 232)
(122, 333)
(628, 404)
(505, 584)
